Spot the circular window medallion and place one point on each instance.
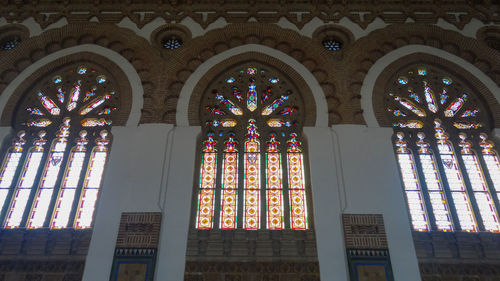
(332, 44)
(10, 43)
(171, 42)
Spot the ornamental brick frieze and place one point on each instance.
(456, 12)
(163, 74)
(249, 271)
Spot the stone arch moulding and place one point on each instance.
(305, 91)
(134, 54)
(127, 80)
(474, 79)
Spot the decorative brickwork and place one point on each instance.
(43, 254)
(455, 12)
(139, 230)
(250, 271)
(136, 246)
(364, 231)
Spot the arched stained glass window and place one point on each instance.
(451, 183)
(51, 175)
(252, 165)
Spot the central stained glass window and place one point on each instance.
(252, 166)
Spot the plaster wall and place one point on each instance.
(372, 185)
(131, 183)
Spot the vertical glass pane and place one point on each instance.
(298, 204)
(49, 177)
(413, 192)
(457, 187)
(251, 218)
(25, 183)
(92, 182)
(490, 157)
(479, 186)
(434, 185)
(48, 181)
(204, 219)
(229, 185)
(274, 191)
(10, 164)
(68, 189)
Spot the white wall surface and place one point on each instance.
(131, 183)
(327, 207)
(175, 222)
(372, 185)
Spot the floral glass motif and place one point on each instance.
(248, 119)
(447, 108)
(72, 170)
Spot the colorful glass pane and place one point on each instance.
(34, 111)
(273, 106)
(25, 183)
(90, 94)
(455, 106)
(74, 96)
(467, 125)
(204, 219)
(93, 104)
(237, 94)
(413, 95)
(443, 97)
(274, 193)
(266, 94)
(229, 198)
(289, 110)
(252, 96)
(92, 182)
(470, 113)
(93, 122)
(42, 123)
(297, 194)
(412, 124)
(434, 185)
(106, 110)
(60, 94)
(430, 98)
(228, 104)
(479, 186)
(411, 185)
(49, 104)
(50, 174)
(251, 213)
(455, 181)
(409, 105)
(9, 167)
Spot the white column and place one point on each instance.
(176, 215)
(373, 186)
(327, 208)
(132, 182)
